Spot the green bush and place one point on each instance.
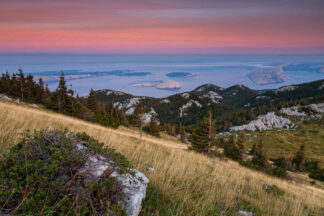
(278, 172)
(274, 190)
(41, 175)
(250, 164)
(317, 174)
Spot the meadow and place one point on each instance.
(184, 182)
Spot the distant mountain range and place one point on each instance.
(190, 107)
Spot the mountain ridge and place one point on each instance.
(190, 107)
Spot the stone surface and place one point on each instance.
(150, 169)
(268, 121)
(187, 106)
(213, 96)
(134, 183)
(245, 213)
(319, 108)
(293, 111)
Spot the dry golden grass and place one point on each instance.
(193, 183)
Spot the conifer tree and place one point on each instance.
(92, 101)
(299, 158)
(182, 132)
(203, 137)
(138, 118)
(40, 91)
(260, 158)
(241, 145)
(21, 82)
(230, 149)
(30, 88)
(61, 93)
(154, 127)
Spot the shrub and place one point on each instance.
(278, 172)
(274, 190)
(250, 164)
(41, 175)
(317, 174)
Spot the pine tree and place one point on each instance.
(30, 88)
(260, 158)
(241, 145)
(69, 106)
(230, 149)
(225, 125)
(299, 158)
(138, 118)
(92, 101)
(21, 83)
(203, 137)
(154, 127)
(252, 152)
(40, 91)
(182, 132)
(62, 93)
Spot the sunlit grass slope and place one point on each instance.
(184, 183)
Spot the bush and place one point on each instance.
(278, 172)
(317, 174)
(250, 164)
(41, 175)
(274, 190)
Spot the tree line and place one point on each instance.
(63, 100)
(204, 139)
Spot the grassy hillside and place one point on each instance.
(287, 143)
(184, 183)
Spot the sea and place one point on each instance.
(160, 75)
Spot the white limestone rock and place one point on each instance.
(319, 108)
(5, 97)
(187, 106)
(146, 117)
(268, 121)
(293, 111)
(150, 169)
(109, 92)
(165, 101)
(134, 183)
(285, 88)
(245, 213)
(128, 103)
(130, 111)
(213, 96)
(185, 95)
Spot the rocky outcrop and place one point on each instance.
(319, 108)
(146, 117)
(268, 121)
(315, 113)
(133, 183)
(293, 111)
(6, 98)
(213, 96)
(187, 106)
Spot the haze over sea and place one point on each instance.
(161, 75)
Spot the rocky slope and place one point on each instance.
(191, 107)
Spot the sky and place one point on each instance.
(162, 26)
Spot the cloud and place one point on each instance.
(166, 85)
(177, 26)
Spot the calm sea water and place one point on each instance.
(125, 72)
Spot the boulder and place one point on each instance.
(245, 213)
(133, 183)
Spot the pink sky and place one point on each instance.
(162, 26)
